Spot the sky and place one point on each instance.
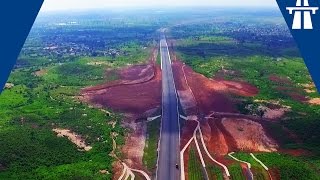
(54, 5)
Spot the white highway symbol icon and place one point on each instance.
(306, 10)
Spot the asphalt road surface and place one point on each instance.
(169, 147)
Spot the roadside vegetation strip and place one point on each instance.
(248, 164)
(150, 150)
(195, 171)
(199, 152)
(182, 153)
(261, 163)
(230, 155)
(201, 159)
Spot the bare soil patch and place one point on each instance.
(221, 74)
(249, 135)
(210, 96)
(275, 174)
(280, 80)
(296, 152)
(41, 72)
(314, 101)
(98, 63)
(187, 133)
(215, 140)
(239, 87)
(274, 111)
(137, 74)
(309, 88)
(8, 85)
(137, 94)
(213, 94)
(136, 97)
(187, 99)
(73, 137)
(135, 142)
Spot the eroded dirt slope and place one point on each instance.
(137, 95)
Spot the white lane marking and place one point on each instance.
(161, 41)
(263, 165)
(175, 90)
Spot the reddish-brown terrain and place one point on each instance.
(136, 94)
(138, 91)
(201, 96)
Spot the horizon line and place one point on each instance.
(128, 7)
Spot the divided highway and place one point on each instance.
(169, 146)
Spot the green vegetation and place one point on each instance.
(256, 168)
(236, 172)
(39, 103)
(159, 58)
(194, 166)
(233, 57)
(289, 167)
(257, 66)
(150, 151)
(29, 148)
(214, 172)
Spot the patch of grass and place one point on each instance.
(30, 110)
(257, 169)
(75, 74)
(158, 59)
(194, 166)
(236, 172)
(15, 97)
(150, 151)
(289, 167)
(214, 172)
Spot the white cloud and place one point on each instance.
(92, 4)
